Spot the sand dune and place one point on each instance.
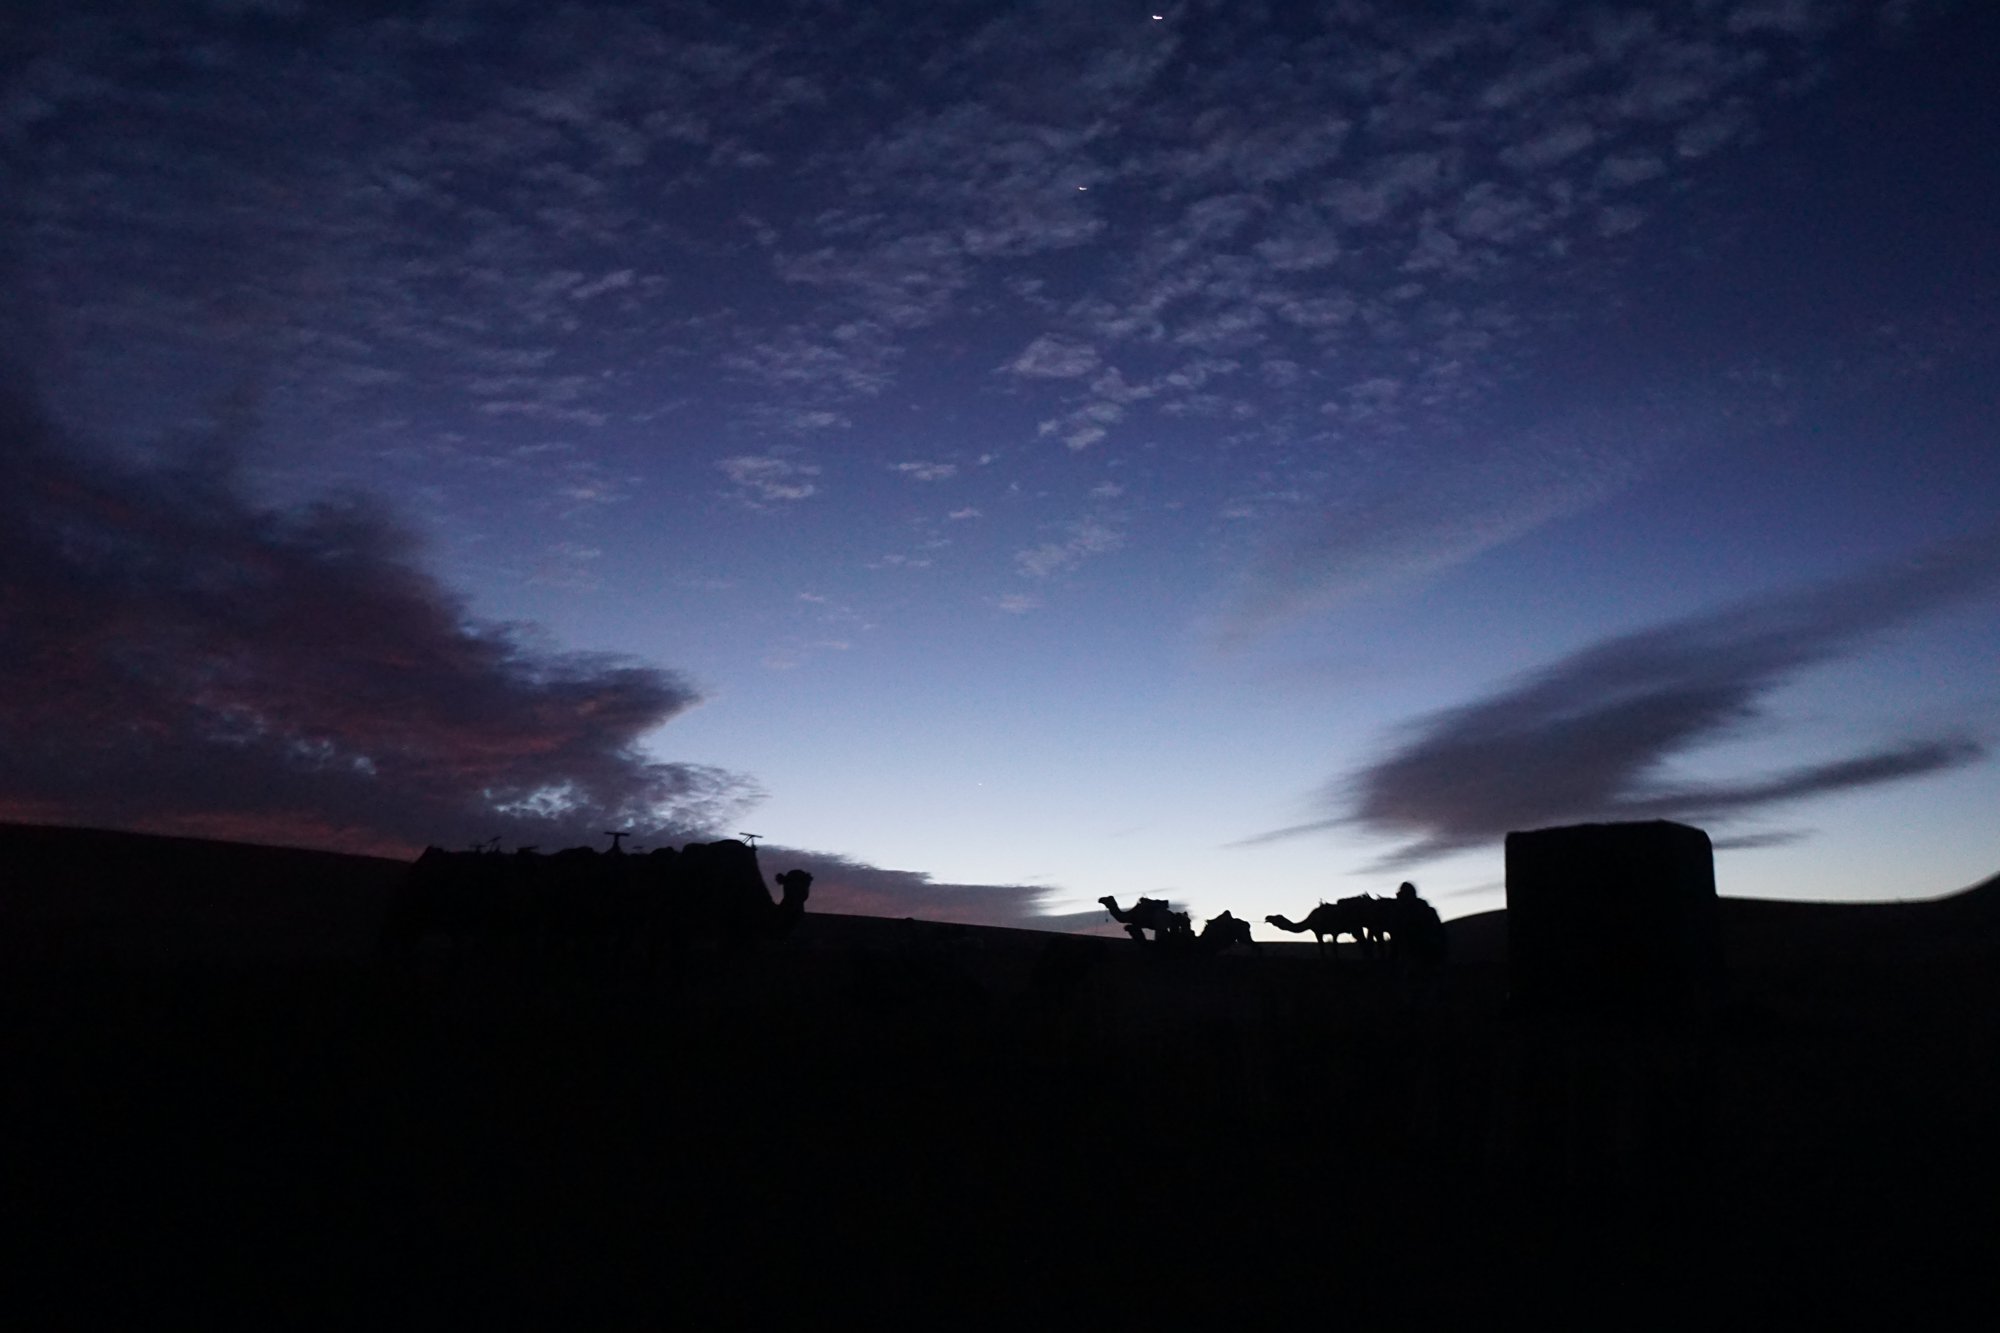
(221, 1095)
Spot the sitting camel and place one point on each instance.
(1154, 914)
(1369, 920)
(714, 892)
(1223, 931)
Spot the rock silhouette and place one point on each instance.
(1154, 914)
(1612, 917)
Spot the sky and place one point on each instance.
(1008, 454)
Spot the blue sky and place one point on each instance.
(1008, 454)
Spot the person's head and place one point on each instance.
(1406, 890)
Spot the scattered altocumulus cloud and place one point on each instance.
(1050, 357)
(926, 471)
(1081, 540)
(770, 478)
(1137, 241)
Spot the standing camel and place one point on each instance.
(1368, 920)
(1152, 914)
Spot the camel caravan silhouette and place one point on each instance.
(1154, 914)
(1404, 926)
(1175, 930)
(706, 894)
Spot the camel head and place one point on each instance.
(795, 884)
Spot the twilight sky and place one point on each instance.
(1239, 453)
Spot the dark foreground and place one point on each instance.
(879, 1116)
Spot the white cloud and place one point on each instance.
(925, 471)
(1788, 16)
(610, 282)
(1622, 169)
(1551, 147)
(1051, 357)
(770, 478)
(1701, 137)
(1082, 539)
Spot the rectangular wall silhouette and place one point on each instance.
(1614, 918)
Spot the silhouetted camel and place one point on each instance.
(1223, 931)
(707, 891)
(1154, 914)
(716, 893)
(461, 899)
(582, 895)
(1368, 920)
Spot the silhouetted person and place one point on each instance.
(1416, 931)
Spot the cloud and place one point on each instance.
(1389, 527)
(1084, 538)
(1588, 737)
(1050, 357)
(1250, 201)
(181, 660)
(769, 478)
(848, 887)
(926, 471)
